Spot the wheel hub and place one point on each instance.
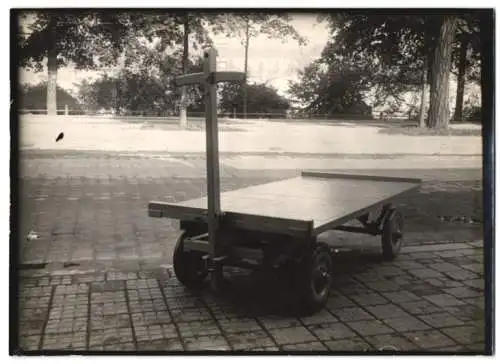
(392, 235)
(396, 236)
(321, 279)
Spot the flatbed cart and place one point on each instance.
(276, 224)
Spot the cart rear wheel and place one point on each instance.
(189, 266)
(392, 236)
(316, 278)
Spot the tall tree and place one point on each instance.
(393, 43)
(185, 65)
(462, 64)
(246, 26)
(410, 41)
(423, 94)
(439, 109)
(81, 38)
(182, 28)
(465, 57)
(334, 85)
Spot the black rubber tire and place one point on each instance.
(189, 267)
(315, 277)
(392, 236)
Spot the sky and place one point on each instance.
(270, 60)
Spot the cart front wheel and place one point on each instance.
(392, 236)
(189, 266)
(317, 278)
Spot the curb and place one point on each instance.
(25, 152)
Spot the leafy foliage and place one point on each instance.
(85, 39)
(468, 33)
(472, 112)
(338, 84)
(402, 39)
(247, 26)
(396, 43)
(144, 84)
(366, 52)
(397, 46)
(93, 39)
(275, 25)
(33, 97)
(96, 39)
(331, 90)
(261, 99)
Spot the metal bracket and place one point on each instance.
(373, 228)
(212, 78)
(220, 259)
(386, 213)
(211, 264)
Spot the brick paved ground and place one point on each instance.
(419, 302)
(99, 278)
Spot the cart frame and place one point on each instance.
(212, 238)
(250, 230)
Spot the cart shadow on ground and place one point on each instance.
(250, 293)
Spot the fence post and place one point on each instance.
(66, 110)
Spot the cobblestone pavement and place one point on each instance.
(98, 277)
(429, 299)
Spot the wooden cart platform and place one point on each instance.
(311, 203)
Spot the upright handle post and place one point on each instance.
(209, 78)
(212, 151)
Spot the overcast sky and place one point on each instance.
(269, 59)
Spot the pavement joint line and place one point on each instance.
(177, 330)
(395, 304)
(441, 330)
(359, 333)
(375, 318)
(424, 246)
(442, 333)
(217, 323)
(156, 154)
(44, 327)
(266, 331)
(129, 313)
(363, 338)
(312, 333)
(89, 316)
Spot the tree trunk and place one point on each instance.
(245, 95)
(185, 65)
(423, 101)
(116, 82)
(462, 64)
(431, 35)
(117, 98)
(52, 68)
(439, 110)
